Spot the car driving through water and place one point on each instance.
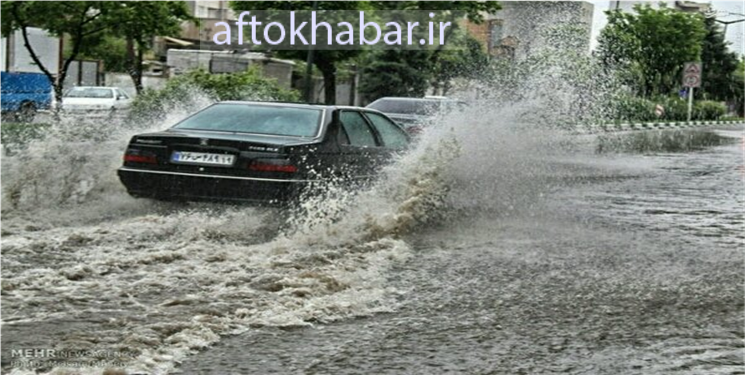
(259, 151)
(95, 99)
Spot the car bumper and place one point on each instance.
(191, 186)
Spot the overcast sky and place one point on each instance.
(734, 31)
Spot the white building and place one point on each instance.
(211, 9)
(685, 6)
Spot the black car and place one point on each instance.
(259, 151)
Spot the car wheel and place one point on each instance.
(26, 112)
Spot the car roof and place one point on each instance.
(430, 99)
(405, 98)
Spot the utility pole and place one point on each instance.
(690, 102)
(309, 67)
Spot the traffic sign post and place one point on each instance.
(691, 79)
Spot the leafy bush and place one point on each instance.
(197, 88)
(676, 108)
(708, 110)
(630, 108)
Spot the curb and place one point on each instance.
(630, 126)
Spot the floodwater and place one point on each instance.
(588, 255)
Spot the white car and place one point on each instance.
(95, 99)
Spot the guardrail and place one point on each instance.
(662, 125)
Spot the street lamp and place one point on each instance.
(713, 15)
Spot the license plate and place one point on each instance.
(202, 158)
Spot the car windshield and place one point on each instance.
(406, 106)
(90, 92)
(256, 118)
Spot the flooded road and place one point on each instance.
(628, 260)
(637, 268)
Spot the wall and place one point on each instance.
(124, 81)
(15, 58)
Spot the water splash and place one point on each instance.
(172, 280)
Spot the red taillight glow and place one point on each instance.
(266, 167)
(140, 159)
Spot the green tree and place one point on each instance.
(465, 62)
(409, 73)
(738, 82)
(82, 21)
(412, 72)
(719, 65)
(139, 22)
(405, 73)
(650, 46)
(87, 23)
(110, 49)
(325, 60)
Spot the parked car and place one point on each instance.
(259, 151)
(95, 99)
(415, 113)
(23, 94)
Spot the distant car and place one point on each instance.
(23, 94)
(95, 99)
(414, 113)
(259, 151)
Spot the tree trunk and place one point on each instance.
(138, 66)
(132, 64)
(328, 69)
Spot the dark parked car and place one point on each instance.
(258, 151)
(415, 113)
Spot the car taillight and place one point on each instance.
(272, 167)
(150, 159)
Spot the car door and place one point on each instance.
(122, 100)
(393, 138)
(358, 143)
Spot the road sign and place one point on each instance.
(659, 110)
(692, 74)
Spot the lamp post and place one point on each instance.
(713, 15)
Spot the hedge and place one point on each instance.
(636, 109)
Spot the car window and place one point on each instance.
(357, 130)
(90, 92)
(393, 136)
(420, 107)
(256, 119)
